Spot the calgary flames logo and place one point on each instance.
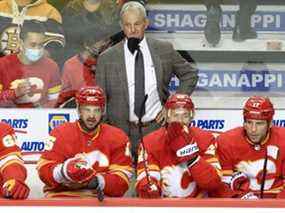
(253, 170)
(10, 40)
(177, 182)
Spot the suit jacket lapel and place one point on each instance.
(122, 70)
(153, 48)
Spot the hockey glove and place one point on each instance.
(148, 190)
(281, 194)
(77, 170)
(249, 196)
(182, 143)
(15, 189)
(239, 182)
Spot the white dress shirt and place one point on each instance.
(153, 105)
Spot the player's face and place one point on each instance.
(256, 130)
(134, 24)
(90, 115)
(180, 115)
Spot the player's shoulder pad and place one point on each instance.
(202, 137)
(7, 136)
(62, 128)
(113, 134)
(156, 139)
(5, 128)
(278, 133)
(228, 138)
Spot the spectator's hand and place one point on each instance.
(239, 182)
(182, 143)
(15, 189)
(77, 170)
(22, 88)
(97, 48)
(161, 117)
(148, 190)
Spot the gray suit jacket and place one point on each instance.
(112, 77)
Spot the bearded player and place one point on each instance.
(180, 160)
(86, 156)
(12, 171)
(252, 157)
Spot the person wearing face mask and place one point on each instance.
(178, 160)
(94, 161)
(29, 78)
(252, 156)
(154, 63)
(14, 13)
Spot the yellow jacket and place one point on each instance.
(11, 19)
(40, 10)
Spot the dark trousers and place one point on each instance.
(246, 10)
(135, 138)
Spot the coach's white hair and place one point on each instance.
(133, 5)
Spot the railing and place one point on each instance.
(136, 202)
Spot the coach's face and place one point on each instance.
(134, 23)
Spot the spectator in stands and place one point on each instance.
(253, 156)
(97, 28)
(242, 30)
(87, 22)
(78, 71)
(58, 4)
(178, 160)
(96, 157)
(12, 170)
(13, 13)
(29, 79)
(156, 62)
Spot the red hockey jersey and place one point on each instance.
(107, 150)
(43, 75)
(237, 154)
(11, 163)
(177, 180)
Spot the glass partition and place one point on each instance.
(242, 57)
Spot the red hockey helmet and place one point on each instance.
(91, 95)
(179, 100)
(259, 108)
